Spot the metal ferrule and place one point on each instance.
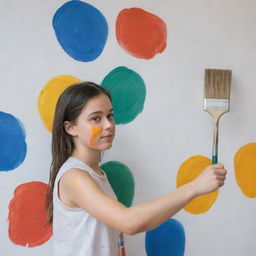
(216, 104)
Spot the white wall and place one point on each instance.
(172, 127)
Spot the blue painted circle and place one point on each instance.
(166, 240)
(81, 30)
(13, 147)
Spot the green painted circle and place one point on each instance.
(121, 179)
(128, 93)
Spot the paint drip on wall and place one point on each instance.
(128, 93)
(49, 96)
(12, 136)
(187, 172)
(140, 33)
(81, 30)
(245, 169)
(27, 215)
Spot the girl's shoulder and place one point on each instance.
(75, 163)
(71, 184)
(74, 173)
(73, 177)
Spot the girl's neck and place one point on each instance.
(90, 157)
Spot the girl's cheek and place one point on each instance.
(95, 133)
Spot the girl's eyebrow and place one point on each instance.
(100, 112)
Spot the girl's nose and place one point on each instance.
(108, 123)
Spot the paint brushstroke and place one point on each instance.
(140, 33)
(166, 240)
(49, 96)
(128, 93)
(81, 30)
(13, 141)
(27, 215)
(95, 133)
(121, 179)
(187, 172)
(245, 169)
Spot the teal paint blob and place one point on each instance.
(121, 179)
(128, 93)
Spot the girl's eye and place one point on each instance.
(96, 119)
(110, 116)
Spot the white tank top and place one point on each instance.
(76, 232)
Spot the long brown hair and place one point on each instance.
(69, 106)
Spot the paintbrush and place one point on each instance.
(121, 248)
(216, 100)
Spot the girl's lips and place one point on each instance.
(107, 136)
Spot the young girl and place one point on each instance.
(81, 204)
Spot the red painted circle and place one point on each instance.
(27, 215)
(140, 33)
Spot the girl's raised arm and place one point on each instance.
(79, 190)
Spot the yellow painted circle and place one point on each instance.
(49, 95)
(187, 172)
(245, 169)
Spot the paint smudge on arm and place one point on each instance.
(75, 182)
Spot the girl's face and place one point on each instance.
(95, 126)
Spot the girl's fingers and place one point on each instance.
(221, 178)
(221, 171)
(218, 166)
(221, 183)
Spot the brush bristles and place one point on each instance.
(217, 83)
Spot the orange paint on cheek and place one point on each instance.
(188, 171)
(95, 133)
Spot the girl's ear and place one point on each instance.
(69, 128)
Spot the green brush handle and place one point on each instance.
(214, 160)
(215, 143)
